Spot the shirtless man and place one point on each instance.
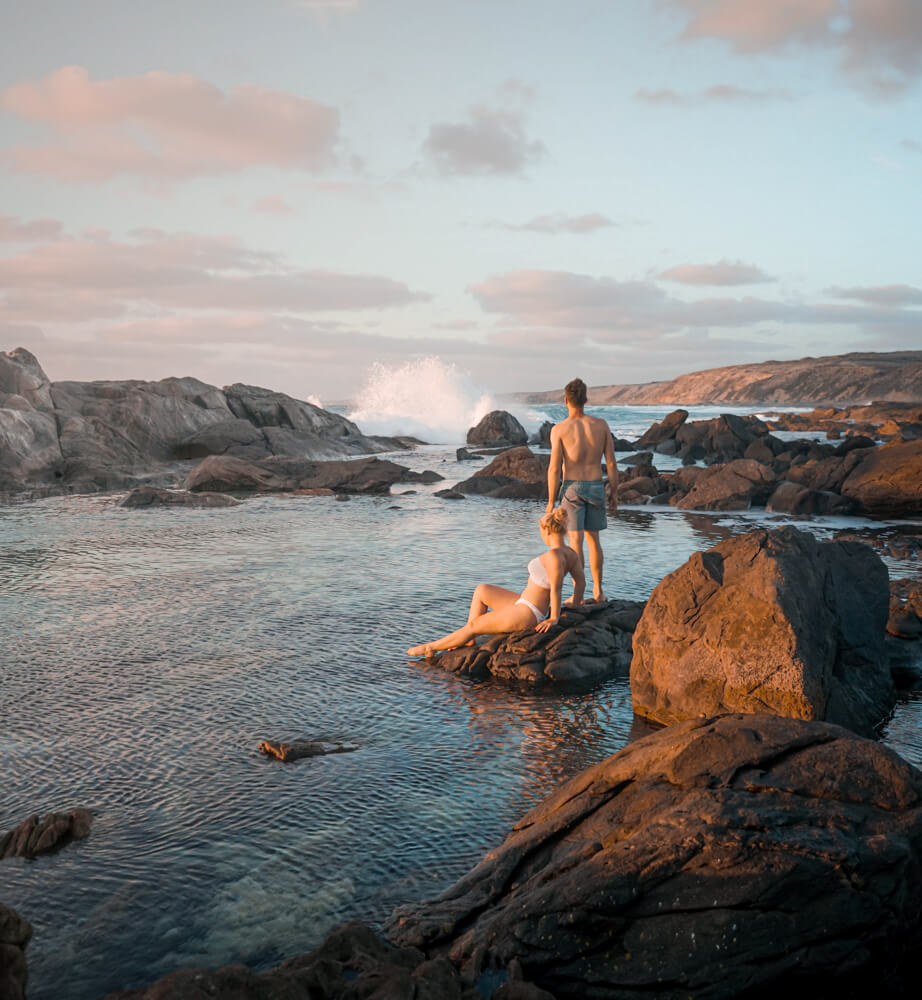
(578, 445)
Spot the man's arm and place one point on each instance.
(553, 469)
(612, 471)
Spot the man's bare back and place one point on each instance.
(583, 441)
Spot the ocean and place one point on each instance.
(145, 654)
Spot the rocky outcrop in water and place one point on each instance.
(299, 749)
(590, 643)
(15, 934)
(222, 474)
(744, 855)
(887, 482)
(147, 497)
(42, 835)
(771, 621)
(86, 436)
(859, 376)
(905, 620)
(517, 473)
(498, 429)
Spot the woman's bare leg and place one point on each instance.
(509, 619)
(487, 597)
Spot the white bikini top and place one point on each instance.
(538, 574)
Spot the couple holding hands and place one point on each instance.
(578, 445)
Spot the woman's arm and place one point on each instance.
(555, 566)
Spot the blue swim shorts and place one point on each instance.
(584, 502)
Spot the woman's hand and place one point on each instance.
(546, 625)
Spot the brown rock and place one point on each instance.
(771, 621)
(36, 836)
(887, 482)
(665, 430)
(738, 485)
(518, 463)
(297, 750)
(745, 855)
(496, 429)
(150, 496)
(15, 933)
(792, 498)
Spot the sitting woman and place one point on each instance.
(512, 612)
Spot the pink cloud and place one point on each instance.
(554, 224)
(725, 93)
(724, 272)
(14, 231)
(273, 205)
(892, 296)
(879, 41)
(165, 125)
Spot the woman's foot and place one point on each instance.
(599, 598)
(424, 650)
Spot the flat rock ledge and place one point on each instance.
(298, 749)
(591, 642)
(353, 963)
(145, 497)
(15, 933)
(718, 858)
(46, 834)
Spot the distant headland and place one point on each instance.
(838, 379)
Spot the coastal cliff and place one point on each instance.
(857, 377)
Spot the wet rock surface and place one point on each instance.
(905, 618)
(150, 496)
(517, 473)
(15, 934)
(299, 749)
(770, 621)
(225, 474)
(498, 429)
(591, 642)
(42, 835)
(717, 858)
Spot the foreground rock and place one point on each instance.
(770, 621)
(107, 435)
(353, 963)
(498, 429)
(46, 834)
(150, 496)
(298, 750)
(223, 474)
(745, 855)
(592, 642)
(14, 936)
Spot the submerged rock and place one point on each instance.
(151, 496)
(43, 835)
(288, 752)
(770, 621)
(744, 855)
(15, 933)
(591, 642)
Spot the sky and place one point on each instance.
(286, 192)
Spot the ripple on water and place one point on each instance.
(145, 654)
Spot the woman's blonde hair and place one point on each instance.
(556, 522)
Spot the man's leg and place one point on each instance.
(575, 541)
(595, 563)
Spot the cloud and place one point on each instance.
(165, 126)
(556, 304)
(912, 145)
(273, 205)
(14, 231)
(76, 279)
(879, 42)
(491, 142)
(724, 93)
(890, 296)
(724, 272)
(554, 224)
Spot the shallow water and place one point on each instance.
(144, 654)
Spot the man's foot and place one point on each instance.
(599, 598)
(424, 650)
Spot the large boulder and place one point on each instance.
(15, 933)
(721, 439)
(826, 473)
(739, 856)
(738, 485)
(665, 430)
(590, 643)
(792, 498)
(516, 473)
(29, 448)
(497, 429)
(888, 481)
(770, 621)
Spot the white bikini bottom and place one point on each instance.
(539, 616)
